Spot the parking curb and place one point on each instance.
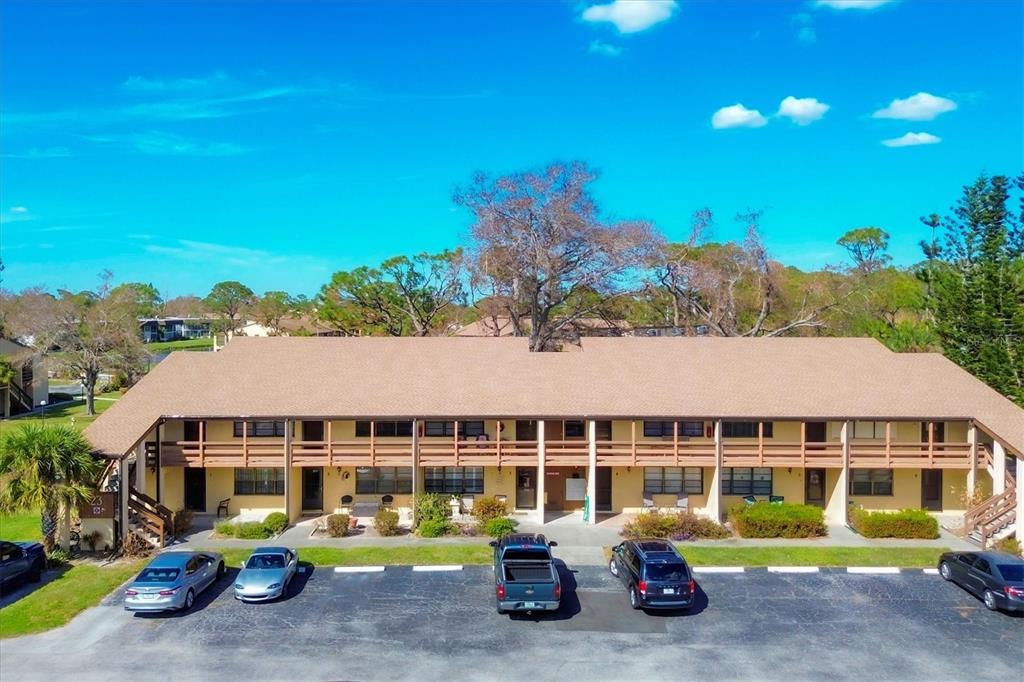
(426, 569)
(359, 569)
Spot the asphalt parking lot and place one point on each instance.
(401, 625)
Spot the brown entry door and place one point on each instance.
(814, 487)
(195, 489)
(604, 489)
(526, 487)
(931, 489)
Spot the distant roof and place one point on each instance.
(607, 378)
(502, 326)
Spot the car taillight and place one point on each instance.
(693, 586)
(168, 593)
(642, 586)
(558, 590)
(500, 589)
(130, 593)
(1017, 592)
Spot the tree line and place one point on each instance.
(541, 256)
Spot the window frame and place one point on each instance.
(729, 481)
(247, 481)
(431, 480)
(684, 480)
(255, 425)
(400, 475)
(730, 429)
(880, 482)
(393, 428)
(471, 428)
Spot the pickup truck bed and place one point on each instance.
(528, 573)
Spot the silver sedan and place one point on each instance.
(172, 581)
(266, 574)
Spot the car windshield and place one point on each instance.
(525, 555)
(666, 572)
(1012, 572)
(265, 561)
(158, 575)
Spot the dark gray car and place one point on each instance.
(996, 577)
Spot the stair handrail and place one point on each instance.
(149, 519)
(19, 392)
(151, 505)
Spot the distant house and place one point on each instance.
(174, 328)
(29, 387)
(288, 326)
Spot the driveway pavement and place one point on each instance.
(405, 625)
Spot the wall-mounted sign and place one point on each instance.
(99, 507)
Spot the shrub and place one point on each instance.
(676, 526)
(337, 525)
(276, 522)
(764, 520)
(1010, 546)
(385, 522)
(499, 527)
(693, 527)
(92, 539)
(468, 530)
(431, 507)
(906, 523)
(487, 508)
(60, 557)
(652, 524)
(251, 530)
(433, 528)
(225, 528)
(181, 522)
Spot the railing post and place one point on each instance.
(803, 443)
(456, 430)
(592, 470)
(632, 431)
(330, 440)
(972, 472)
(202, 442)
(245, 442)
(541, 454)
(931, 444)
(122, 482)
(888, 444)
(373, 444)
(760, 443)
(497, 442)
(140, 466)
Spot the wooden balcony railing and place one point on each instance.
(773, 453)
(880, 455)
(647, 453)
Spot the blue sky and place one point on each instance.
(274, 143)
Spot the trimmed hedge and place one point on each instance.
(906, 523)
(252, 530)
(433, 528)
(337, 525)
(765, 520)
(675, 526)
(499, 527)
(385, 522)
(276, 522)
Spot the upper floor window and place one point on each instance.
(384, 429)
(662, 429)
(261, 429)
(744, 429)
(469, 429)
(575, 429)
(869, 430)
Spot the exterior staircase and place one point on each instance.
(21, 402)
(995, 518)
(149, 519)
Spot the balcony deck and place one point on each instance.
(768, 453)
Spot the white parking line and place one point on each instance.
(718, 569)
(792, 569)
(437, 568)
(931, 571)
(874, 570)
(358, 569)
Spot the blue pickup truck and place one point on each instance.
(20, 561)
(525, 575)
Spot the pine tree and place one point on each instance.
(977, 286)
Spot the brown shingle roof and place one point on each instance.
(788, 378)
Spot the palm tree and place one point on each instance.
(47, 468)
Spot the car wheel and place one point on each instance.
(221, 570)
(190, 598)
(36, 573)
(945, 572)
(634, 598)
(614, 568)
(990, 601)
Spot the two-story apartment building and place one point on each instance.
(295, 424)
(29, 386)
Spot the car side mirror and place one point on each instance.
(552, 543)
(493, 543)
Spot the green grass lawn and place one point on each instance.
(54, 604)
(903, 557)
(380, 556)
(67, 413)
(183, 344)
(24, 526)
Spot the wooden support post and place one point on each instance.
(415, 463)
(159, 463)
(288, 468)
(497, 441)
(972, 473)
(675, 442)
(373, 444)
(632, 435)
(888, 444)
(803, 444)
(122, 482)
(202, 442)
(330, 440)
(760, 443)
(245, 442)
(931, 444)
(455, 428)
(140, 467)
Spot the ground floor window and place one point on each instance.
(871, 482)
(674, 480)
(381, 480)
(266, 481)
(747, 481)
(453, 480)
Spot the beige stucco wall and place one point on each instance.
(906, 492)
(105, 527)
(220, 484)
(173, 492)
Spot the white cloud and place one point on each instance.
(803, 110)
(19, 209)
(631, 16)
(920, 107)
(143, 84)
(912, 140)
(737, 116)
(169, 144)
(607, 49)
(852, 4)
